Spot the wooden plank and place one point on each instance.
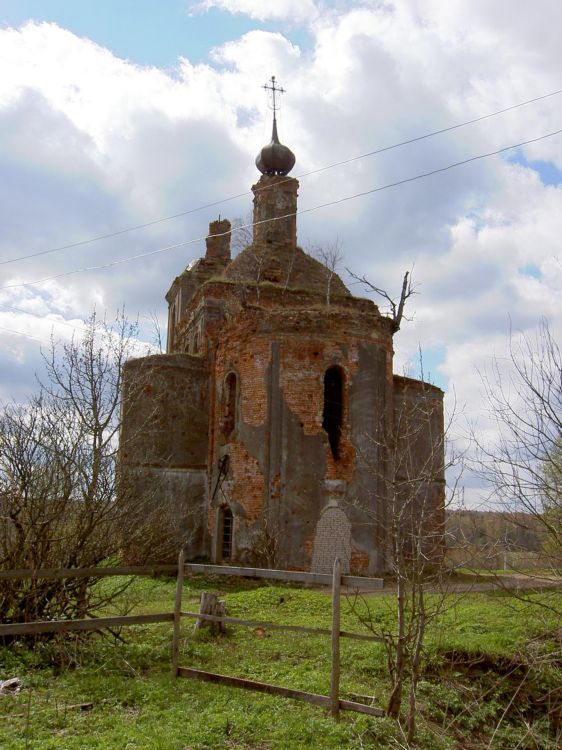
(335, 675)
(264, 687)
(282, 626)
(177, 615)
(260, 687)
(361, 636)
(360, 582)
(95, 623)
(297, 576)
(361, 708)
(128, 570)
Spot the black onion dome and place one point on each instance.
(275, 158)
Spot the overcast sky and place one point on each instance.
(114, 114)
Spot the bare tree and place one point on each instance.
(157, 337)
(58, 479)
(396, 307)
(242, 233)
(413, 473)
(522, 459)
(416, 459)
(331, 256)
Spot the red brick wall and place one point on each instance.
(303, 362)
(311, 337)
(249, 484)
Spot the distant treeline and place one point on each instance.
(490, 529)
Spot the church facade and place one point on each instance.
(273, 431)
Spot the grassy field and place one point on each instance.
(491, 667)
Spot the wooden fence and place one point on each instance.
(336, 580)
(94, 623)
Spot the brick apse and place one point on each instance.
(273, 431)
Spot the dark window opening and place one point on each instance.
(227, 534)
(333, 408)
(171, 328)
(230, 404)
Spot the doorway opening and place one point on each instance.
(227, 533)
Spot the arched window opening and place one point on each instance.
(227, 529)
(229, 421)
(333, 408)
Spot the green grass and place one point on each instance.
(137, 705)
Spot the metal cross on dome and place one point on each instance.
(274, 90)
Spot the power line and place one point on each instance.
(42, 317)
(20, 333)
(81, 329)
(120, 261)
(433, 133)
(428, 174)
(300, 176)
(286, 216)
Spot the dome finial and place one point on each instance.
(274, 90)
(275, 158)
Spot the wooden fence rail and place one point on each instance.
(281, 626)
(325, 701)
(296, 576)
(94, 623)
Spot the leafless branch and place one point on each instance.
(396, 307)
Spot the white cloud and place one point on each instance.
(296, 11)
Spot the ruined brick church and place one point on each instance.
(270, 432)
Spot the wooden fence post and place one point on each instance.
(177, 615)
(335, 680)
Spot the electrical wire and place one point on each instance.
(81, 329)
(286, 216)
(26, 335)
(381, 150)
(42, 317)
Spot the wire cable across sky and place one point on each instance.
(343, 162)
(319, 206)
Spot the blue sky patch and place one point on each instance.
(547, 170)
(431, 359)
(531, 269)
(143, 31)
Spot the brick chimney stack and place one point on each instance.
(218, 248)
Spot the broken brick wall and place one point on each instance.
(279, 453)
